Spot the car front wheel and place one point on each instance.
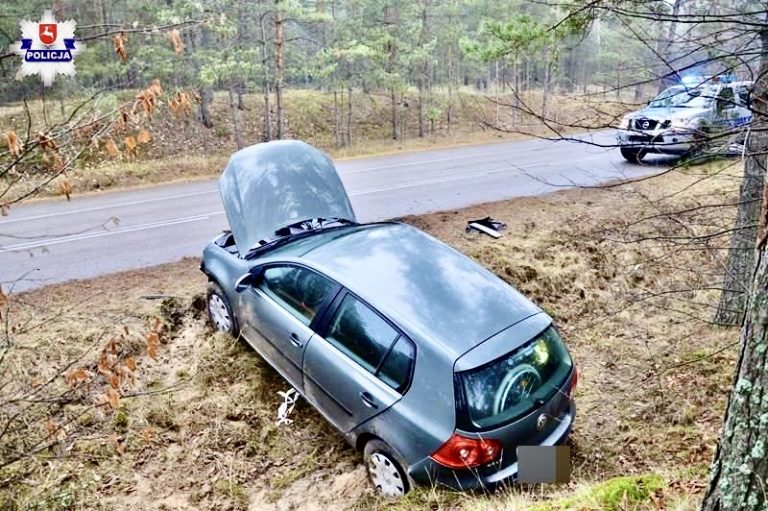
(632, 155)
(386, 473)
(220, 311)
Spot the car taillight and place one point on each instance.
(574, 380)
(462, 452)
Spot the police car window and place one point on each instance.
(743, 95)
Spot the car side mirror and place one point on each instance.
(244, 282)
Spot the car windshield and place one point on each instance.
(683, 97)
(513, 385)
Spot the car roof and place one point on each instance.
(420, 283)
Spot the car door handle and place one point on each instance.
(295, 340)
(368, 400)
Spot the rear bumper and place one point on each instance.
(428, 472)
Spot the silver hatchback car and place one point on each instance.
(433, 367)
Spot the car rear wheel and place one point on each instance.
(385, 472)
(220, 311)
(632, 155)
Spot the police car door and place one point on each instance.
(730, 110)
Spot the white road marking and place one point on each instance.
(139, 202)
(45, 242)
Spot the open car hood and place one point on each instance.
(266, 187)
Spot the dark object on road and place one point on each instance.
(429, 364)
(487, 225)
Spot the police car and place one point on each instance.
(681, 119)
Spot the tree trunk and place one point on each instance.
(240, 97)
(206, 97)
(666, 46)
(423, 66)
(336, 119)
(545, 93)
(740, 467)
(236, 125)
(349, 116)
(279, 69)
(395, 116)
(741, 462)
(741, 256)
(265, 84)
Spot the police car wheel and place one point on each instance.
(632, 155)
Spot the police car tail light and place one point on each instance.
(463, 452)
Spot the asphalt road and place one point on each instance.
(53, 241)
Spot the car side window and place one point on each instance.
(299, 290)
(360, 333)
(396, 368)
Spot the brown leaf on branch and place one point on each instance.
(155, 87)
(14, 143)
(5, 208)
(3, 298)
(46, 143)
(112, 398)
(175, 37)
(119, 42)
(130, 145)
(111, 148)
(143, 137)
(65, 187)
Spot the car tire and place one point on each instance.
(632, 155)
(385, 470)
(220, 312)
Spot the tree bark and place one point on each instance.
(235, 111)
(666, 46)
(741, 461)
(206, 97)
(348, 133)
(740, 467)
(279, 69)
(265, 84)
(741, 257)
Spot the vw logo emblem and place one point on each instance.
(541, 422)
(646, 124)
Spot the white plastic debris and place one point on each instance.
(286, 407)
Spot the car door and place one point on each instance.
(279, 309)
(725, 108)
(359, 367)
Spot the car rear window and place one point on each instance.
(512, 386)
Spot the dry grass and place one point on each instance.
(653, 373)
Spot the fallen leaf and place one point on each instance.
(143, 137)
(113, 398)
